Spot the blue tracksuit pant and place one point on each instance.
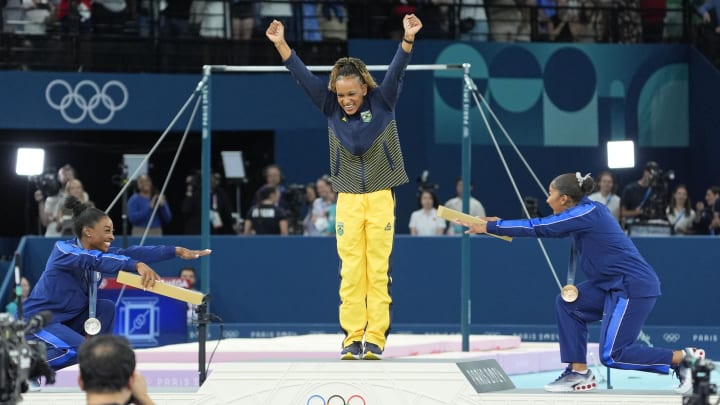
(63, 339)
(622, 319)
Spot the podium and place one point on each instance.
(146, 319)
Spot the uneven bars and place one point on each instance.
(324, 68)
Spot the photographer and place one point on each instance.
(108, 374)
(220, 207)
(646, 198)
(50, 196)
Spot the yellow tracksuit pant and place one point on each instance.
(365, 226)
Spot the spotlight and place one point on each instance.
(30, 161)
(620, 154)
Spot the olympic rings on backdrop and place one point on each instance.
(87, 107)
(671, 337)
(336, 400)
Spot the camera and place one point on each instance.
(293, 200)
(702, 388)
(20, 359)
(658, 192)
(47, 183)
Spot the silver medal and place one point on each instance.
(92, 326)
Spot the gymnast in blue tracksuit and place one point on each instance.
(619, 283)
(64, 286)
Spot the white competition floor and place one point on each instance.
(416, 370)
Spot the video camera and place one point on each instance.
(659, 192)
(47, 183)
(20, 359)
(702, 388)
(293, 199)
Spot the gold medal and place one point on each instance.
(569, 293)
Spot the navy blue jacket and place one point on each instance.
(606, 256)
(365, 153)
(63, 286)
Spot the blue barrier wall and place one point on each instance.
(294, 280)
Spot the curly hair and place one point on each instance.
(348, 66)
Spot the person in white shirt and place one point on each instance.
(425, 222)
(456, 203)
(606, 195)
(680, 214)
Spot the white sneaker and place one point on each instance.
(684, 369)
(572, 381)
(33, 385)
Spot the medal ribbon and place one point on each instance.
(92, 292)
(572, 265)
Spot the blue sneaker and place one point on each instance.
(683, 371)
(353, 351)
(372, 352)
(571, 381)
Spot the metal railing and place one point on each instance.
(180, 35)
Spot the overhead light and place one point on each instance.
(30, 161)
(620, 154)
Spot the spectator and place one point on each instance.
(706, 214)
(220, 208)
(109, 16)
(50, 204)
(474, 21)
(710, 32)
(652, 15)
(333, 20)
(176, 19)
(456, 203)
(108, 374)
(425, 222)
(628, 26)
(564, 25)
(273, 177)
(188, 274)
(68, 9)
(606, 194)
(141, 205)
(64, 215)
(12, 306)
(310, 196)
(680, 214)
(243, 18)
(26, 17)
(281, 11)
(266, 217)
(208, 18)
(504, 20)
(320, 218)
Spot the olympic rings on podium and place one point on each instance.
(336, 400)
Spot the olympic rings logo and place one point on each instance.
(77, 98)
(317, 399)
(671, 337)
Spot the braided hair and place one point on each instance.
(348, 66)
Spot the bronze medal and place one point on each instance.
(569, 293)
